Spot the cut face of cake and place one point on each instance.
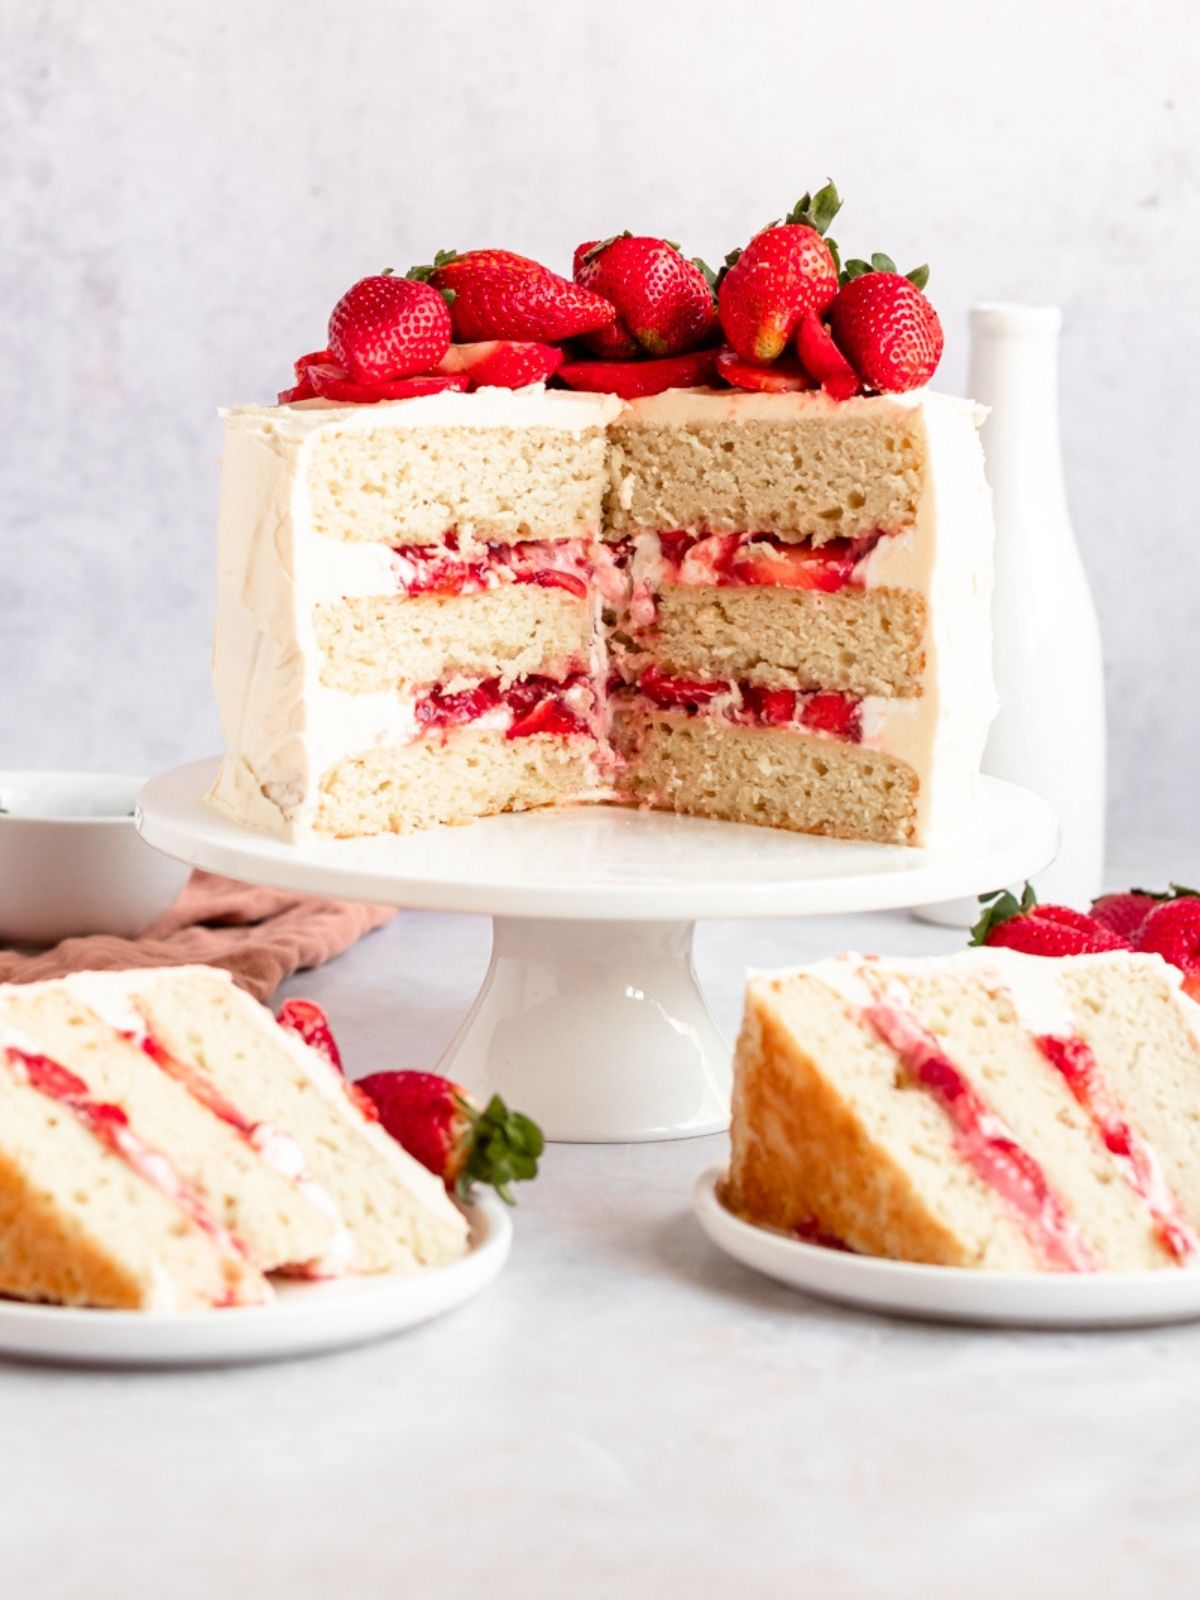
(164, 1144)
(989, 1110)
(768, 608)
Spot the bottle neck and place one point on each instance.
(1014, 372)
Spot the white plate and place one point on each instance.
(950, 1294)
(303, 1319)
(609, 862)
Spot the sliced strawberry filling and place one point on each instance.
(535, 704)
(983, 1140)
(726, 560)
(110, 1126)
(823, 711)
(441, 570)
(1074, 1059)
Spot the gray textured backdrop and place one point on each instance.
(186, 188)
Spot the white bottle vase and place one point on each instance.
(1049, 734)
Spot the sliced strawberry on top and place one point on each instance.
(822, 359)
(781, 377)
(307, 1020)
(300, 391)
(794, 566)
(331, 383)
(497, 294)
(629, 379)
(833, 713)
(388, 327)
(503, 363)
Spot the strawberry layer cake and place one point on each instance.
(990, 1109)
(514, 540)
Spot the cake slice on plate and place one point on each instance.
(165, 1143)
(988, 1109)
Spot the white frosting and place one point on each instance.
(284, 729)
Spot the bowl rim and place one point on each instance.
(15, 776)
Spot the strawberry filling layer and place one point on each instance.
(726, 559)
(983, 1140)
(534, 704)
(110, 1126)
(442, 569)
(836, 715)
(1074, 1059)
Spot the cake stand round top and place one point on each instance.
(609, 862)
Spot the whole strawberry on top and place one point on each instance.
(664, 302)
(884, 326)
(497, 294)
(1038, 930)
(439, 1124)
(788, 268)
(388, 327)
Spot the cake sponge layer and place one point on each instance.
(380, 642)
(818, 471)
(858, 641)
(411, 486)
(785, 779)
(467, 773)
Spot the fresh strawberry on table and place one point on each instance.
(497, 294)
(787, 269)
(386, 327)
(440, 1125)
(664, 302)
(1172, 930)
(885, 328)
(1040, 930)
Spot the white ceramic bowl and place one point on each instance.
(72, 861)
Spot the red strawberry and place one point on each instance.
(305, 1018)
(1172, 930)
(552, 578)
(301, 391)
(632, 378)
(663, 300)
(548, 716)
(315, 358)
(439, 1124)
(388, 327)
(781, 377)
(331, 383)
(615, 342)
(1040, 930)
(667, 691)
(502, 363)
(773, 707)
(784, 271)
(835, 713)
(497, 294)
(794, 566)
(1124, 913)
(887, 330)
(822, 359)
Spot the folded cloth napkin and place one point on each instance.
(261, 935)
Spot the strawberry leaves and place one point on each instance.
(856, 267)
(1001, 906)
(504, 1147)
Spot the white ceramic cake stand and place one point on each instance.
(590, 1018)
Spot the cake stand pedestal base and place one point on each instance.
(597, 1030)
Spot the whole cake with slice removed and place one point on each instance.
(990, 1109)
(748, 581)
(166, 1144)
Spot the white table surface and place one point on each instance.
(626, 1413)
